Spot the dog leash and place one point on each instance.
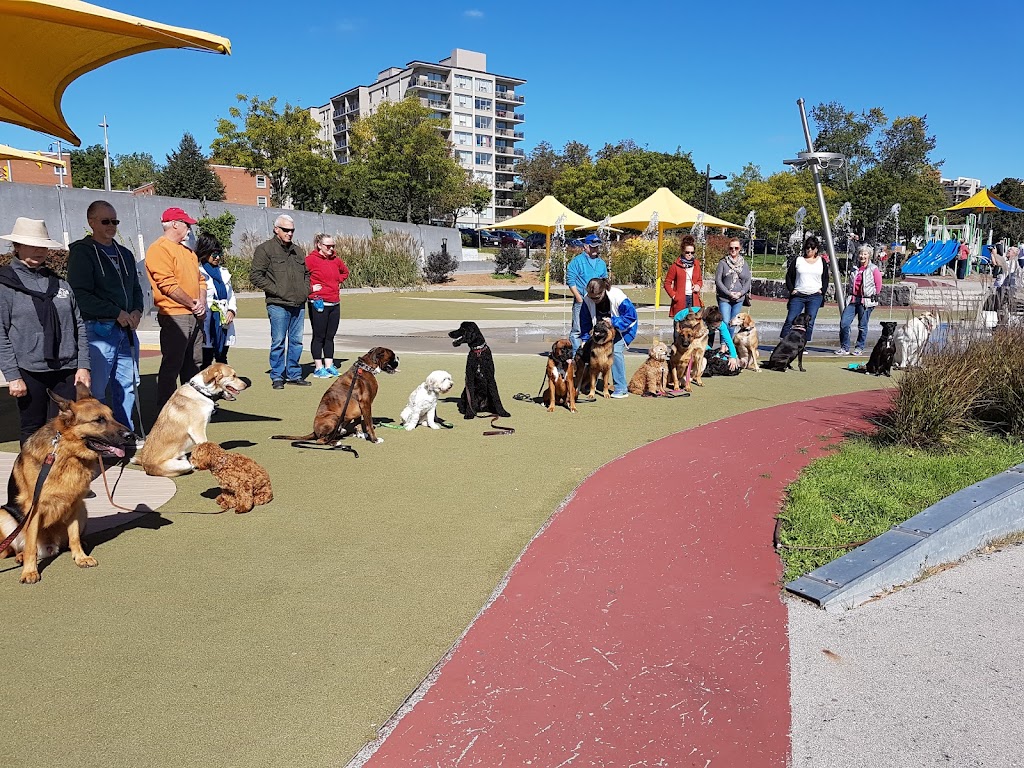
(496, 429)
(106, 487)
(44, 471)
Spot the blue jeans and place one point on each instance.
(574, 334)
(113, 360)
(619, 367)
(797, 304)
(729, 310)
(863, 315)
(285, 330)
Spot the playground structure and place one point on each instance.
(942, 241)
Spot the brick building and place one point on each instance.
(243, 187)
(29, 172)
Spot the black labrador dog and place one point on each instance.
(790, 348)
(480, 395)
(884, 352)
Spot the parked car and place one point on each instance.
(508, 237)
(468, 236)
(536, 240)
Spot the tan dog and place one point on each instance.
(689, 340)
(87, 431)
(183, 420)
(244, 484)
(594, 358)
(561, 377)
(652, 376)
(348, 402)
(744, 338)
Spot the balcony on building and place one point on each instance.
(438, 104)
(505, 167)
(510, 96)
(422, 81)
(504, 114)
(504, 150)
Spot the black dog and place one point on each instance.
(884, 352)
(791, 347)
(481, 392)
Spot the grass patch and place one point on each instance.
(866, 488)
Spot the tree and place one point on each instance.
(732, 203)
(905, 146)
(132, 171)
(874, 193)
(87, 169)
(188, 174)
(777, 199)
(575, 153)
(268, 142)
(401, 167)
(314, 181)
(843, 131)
(1009, 225)
(538, 172)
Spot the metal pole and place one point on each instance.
(707, 186)
(825, 224)
(106, 155)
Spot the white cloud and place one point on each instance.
(473, 13)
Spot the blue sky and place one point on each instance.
(719, 80)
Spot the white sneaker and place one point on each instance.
(842, 352)
(620, 395)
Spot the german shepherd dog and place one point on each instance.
(561, 377)
(884, 353)
(790, 348)
(81, 432)
(689, 339)
(594, 358)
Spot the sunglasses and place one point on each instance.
(688, 253)
(734, 247)
(108, 222)
(283, 229)
(329, 247)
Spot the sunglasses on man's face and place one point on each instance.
(108, 222)
(285, 229)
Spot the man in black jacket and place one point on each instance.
(279, 270)
(103, 275)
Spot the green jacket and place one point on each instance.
(281, 273)
(102, 290)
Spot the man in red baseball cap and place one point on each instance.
(179, 292)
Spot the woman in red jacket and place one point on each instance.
(326, 274)
(683, 282)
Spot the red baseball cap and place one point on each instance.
(176, 214)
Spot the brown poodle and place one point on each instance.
(243, 482)
(651, 377)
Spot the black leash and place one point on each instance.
(357, 366)
(44, 471)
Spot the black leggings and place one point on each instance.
(325, 326)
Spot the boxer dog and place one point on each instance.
(561, 377)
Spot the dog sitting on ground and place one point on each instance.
(347, 406)
(561, 377)
(244, 484)
(480, 395)
(911, 338)
(87, 430)
(792, 347)
(689, 340)
(884, 351)
(594, 359)
(183, 420)
(744, 338)
(652, 376)
(422, 407)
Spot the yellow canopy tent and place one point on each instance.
(10, 153)
(673, 213)
(49, 43)
(984, 201)
(543, 217)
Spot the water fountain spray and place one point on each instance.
(604, 231)
(894, 212)
(750, 225)
(557, 242)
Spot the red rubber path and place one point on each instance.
(644, 625)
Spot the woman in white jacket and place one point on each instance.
(219, 324)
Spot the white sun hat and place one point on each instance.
(31, 232)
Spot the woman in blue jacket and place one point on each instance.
(603, 300)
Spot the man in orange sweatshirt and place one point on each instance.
(179, 292)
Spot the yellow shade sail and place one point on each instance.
(543, 217)
(47, 44)
(984, 201)
(673, 213)
(10, 153)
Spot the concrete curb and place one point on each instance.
(943, 533)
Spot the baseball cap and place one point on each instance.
(592, 240)
(176, 214)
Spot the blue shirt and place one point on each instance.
(582, 269)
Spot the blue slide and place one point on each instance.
(932, 258)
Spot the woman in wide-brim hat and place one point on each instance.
(43, 344)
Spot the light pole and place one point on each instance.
(708, 178)
(106, 155)
(61, 170)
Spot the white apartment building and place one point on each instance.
(959, 189)
(481, 106)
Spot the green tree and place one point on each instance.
(905, 146)
(314, 181)
(874, 193)
(87, 167)
(850, 134)
(778, 197)
(268, 142)
(538, 171)
(575, 153)
(221, 227)
(401, 167)
(732, 202)
(1009, 225)
(132, 171)
(188, 174)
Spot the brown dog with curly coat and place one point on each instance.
(244, 484)
(651, 377)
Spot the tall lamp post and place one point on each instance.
(106, 155)
(61, 170)
(708, 178)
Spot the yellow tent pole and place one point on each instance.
(657, 276)
(547, 267)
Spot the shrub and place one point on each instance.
(559, 261)
(239, 267)
(634, 261)
(221, 227)
(388, 259)
(439, 267)
(510, 259)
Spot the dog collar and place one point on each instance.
(743, 330)
(361, 366)
(198, 389)
(479, 349)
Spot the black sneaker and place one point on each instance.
(278, 384)
(299, 382)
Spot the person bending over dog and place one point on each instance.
(605, 301)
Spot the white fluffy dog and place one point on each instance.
(911, 338)
(422, 405)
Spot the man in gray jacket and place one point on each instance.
(279, 270)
